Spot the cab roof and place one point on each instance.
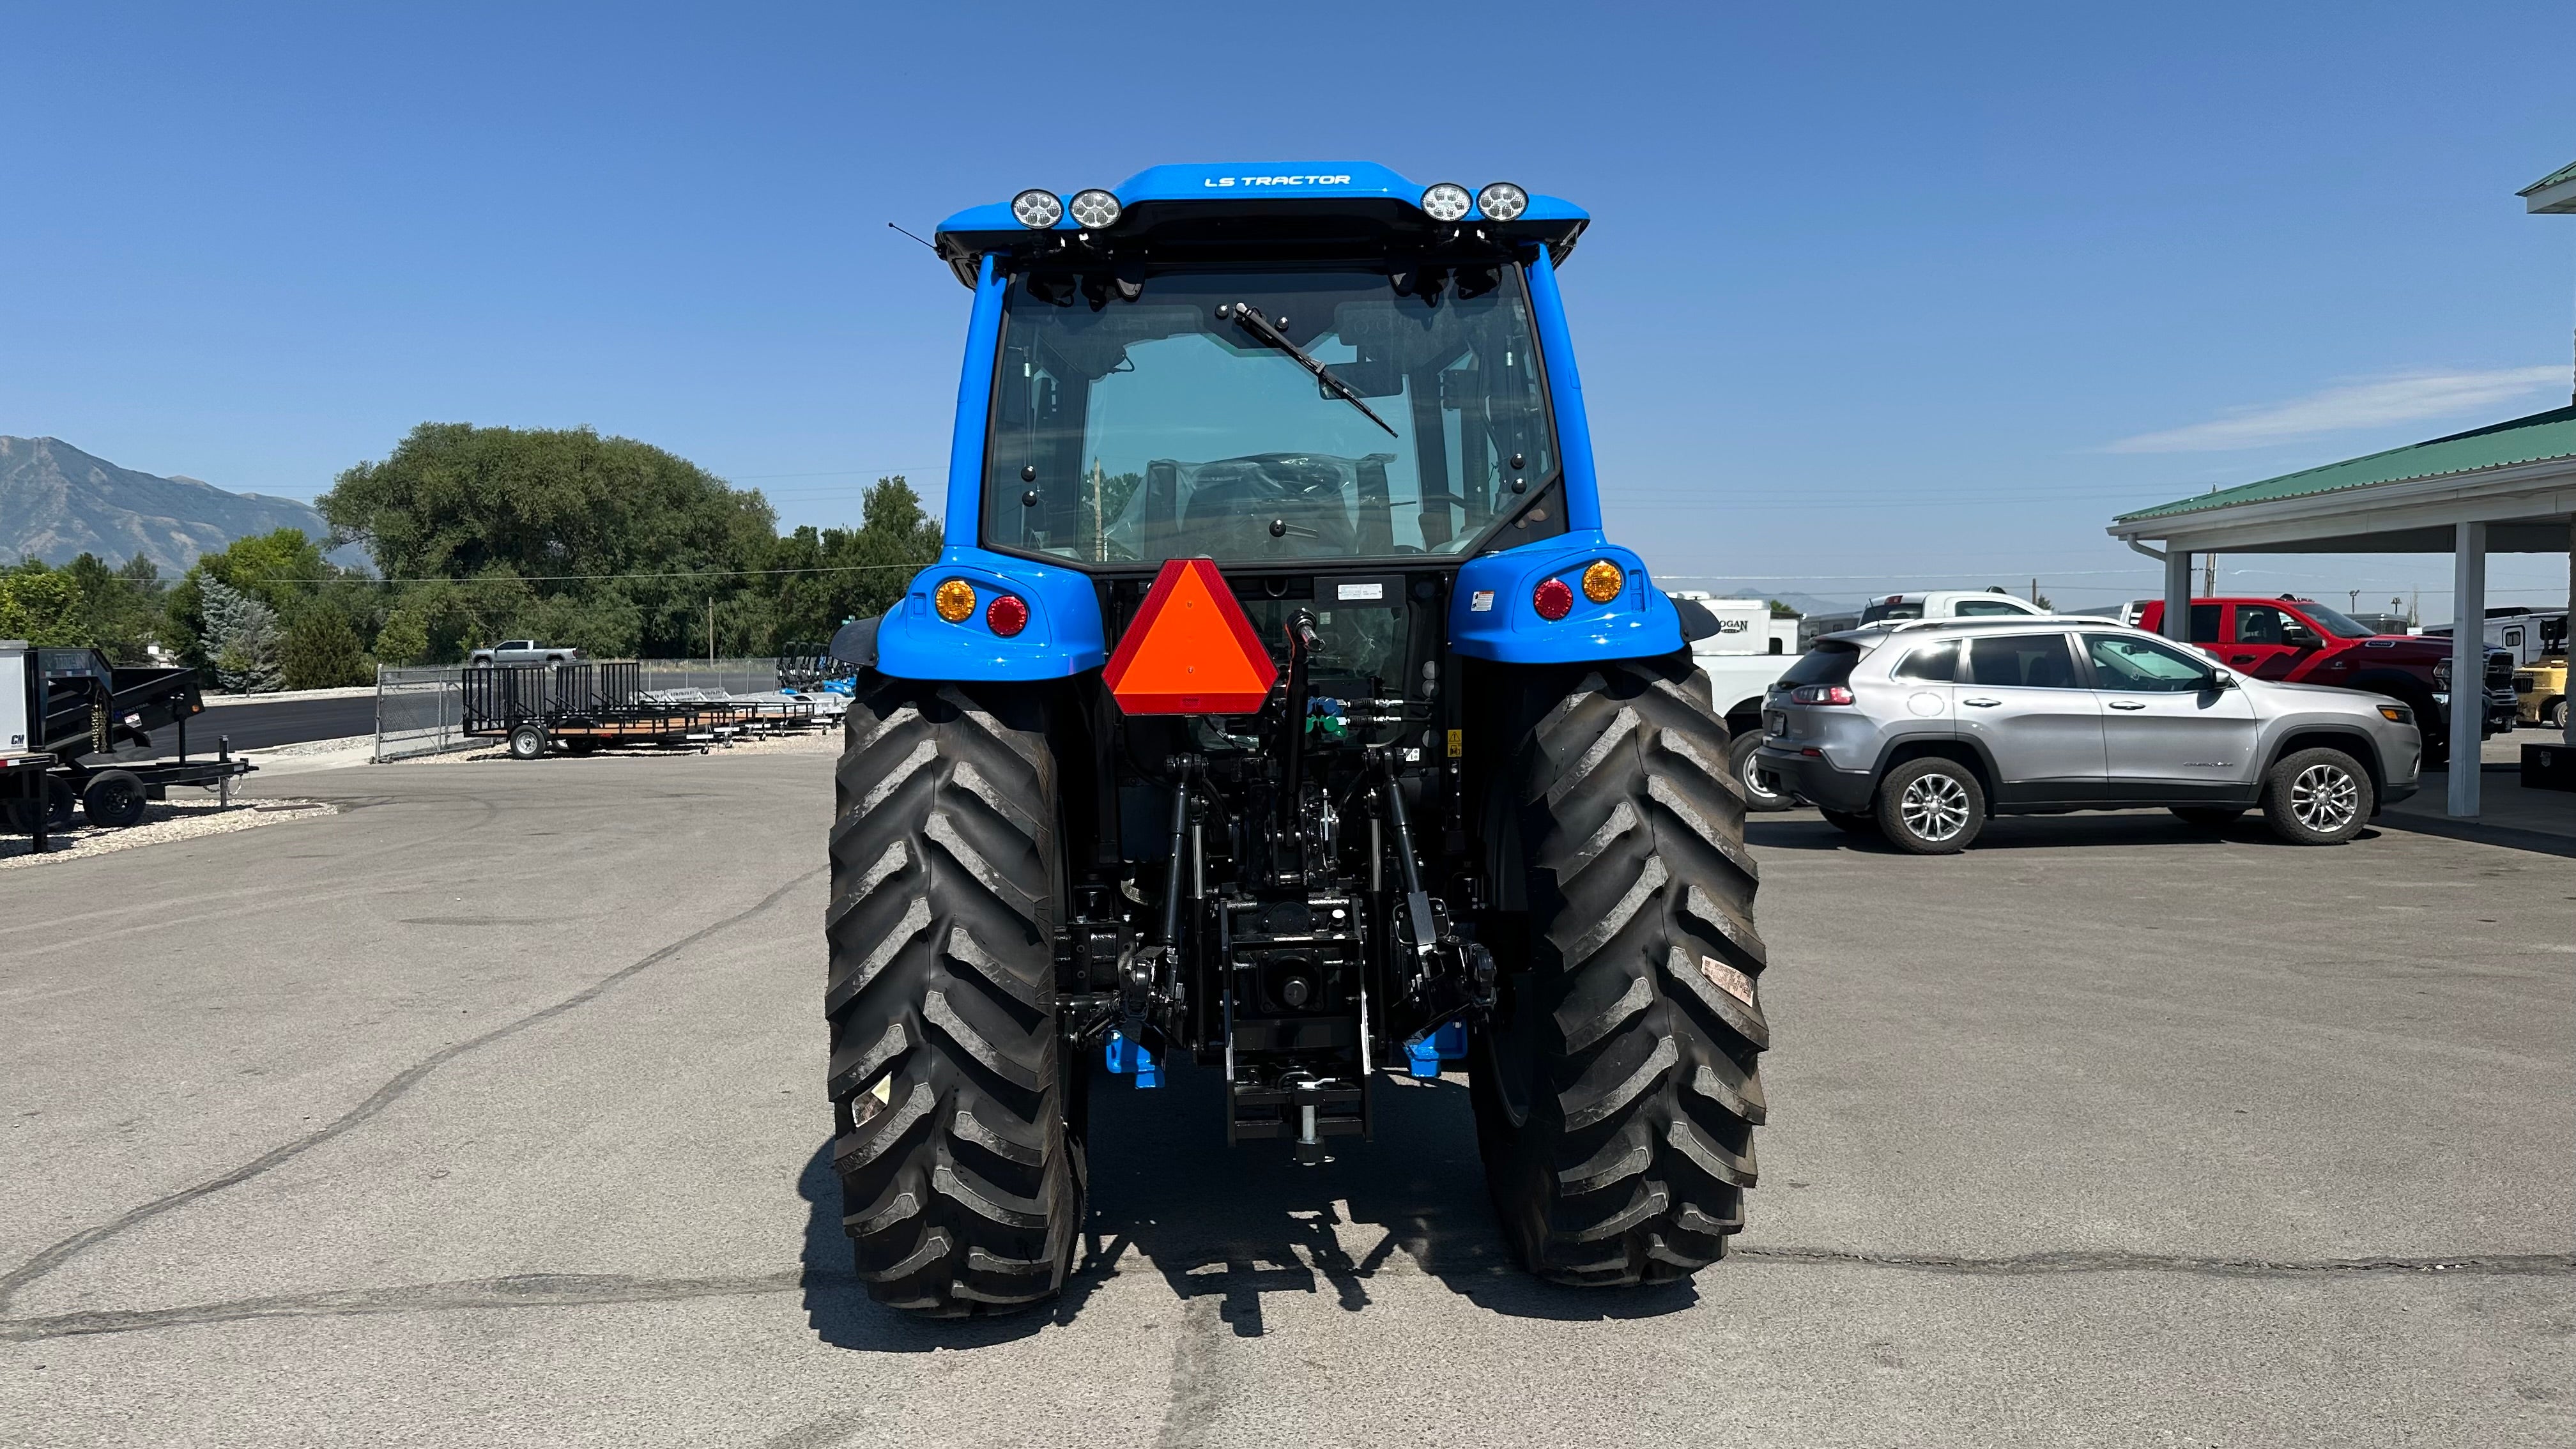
(1243, 208)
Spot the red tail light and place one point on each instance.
(1820, 694)
(1553, 599)
(1006, 615)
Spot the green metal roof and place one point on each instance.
(2563, 173)
(2524, 440)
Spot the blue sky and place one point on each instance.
(1875, 296)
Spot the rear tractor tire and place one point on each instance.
(958, 1113)
(1616, 1091)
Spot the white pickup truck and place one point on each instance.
(1745, 651)
(525, 651)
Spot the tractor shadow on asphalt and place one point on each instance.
(1240, 1224)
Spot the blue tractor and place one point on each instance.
(1278, 703)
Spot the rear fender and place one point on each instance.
(1492, 615)
(1063, 635)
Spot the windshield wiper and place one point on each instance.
(1249, 318)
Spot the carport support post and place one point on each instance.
(2468, 664)
(2177, 595)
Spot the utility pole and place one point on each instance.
(711, 630)
(2209, 576)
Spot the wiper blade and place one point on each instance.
(1249, 318)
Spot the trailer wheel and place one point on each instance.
(527, 742)
(959, 1119)
(58, 801)
(1616, 1092)
(114, 799)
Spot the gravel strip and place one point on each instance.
(806, 742)
(309, 747)
(163, 820)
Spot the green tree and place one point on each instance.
(843, 573)
(606, 543)
(1783, 611)
(241, 639)
(42, 606)
(321, 650)
(281, 569)
(120, 607)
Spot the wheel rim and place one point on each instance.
(2325, 798)
(1934, 807)
(1753, 780)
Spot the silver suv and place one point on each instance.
(1921, 730)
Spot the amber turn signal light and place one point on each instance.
(1602, 582)
(954, 600)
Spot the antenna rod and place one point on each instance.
(915, 238)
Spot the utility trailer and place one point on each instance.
(1277, 705)
(585, 706)
(80, 709)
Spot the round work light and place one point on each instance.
(1447, 201)
(1037, 210)
(1602, 581)
(1007, 615)
(954, 599)
(1502, 201)
(1552, 599)
(1095, 209)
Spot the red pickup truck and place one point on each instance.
(2304, 642)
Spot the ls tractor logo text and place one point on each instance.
(1225, 181)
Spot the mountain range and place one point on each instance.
(57, 502)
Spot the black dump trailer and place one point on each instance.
(82, 709)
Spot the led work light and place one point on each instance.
(1037, 210)
(1502, 201)
(1095, 209)
(1447, 201)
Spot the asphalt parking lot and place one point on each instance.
(489, 1110)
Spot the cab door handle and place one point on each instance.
(2244, 659)
(2126, 704)
(1982, 703)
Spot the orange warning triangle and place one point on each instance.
(1190, 650)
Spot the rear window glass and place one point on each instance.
(1892, 609)
(1932, 664)
(1982, 609)
(2204, 623)
(2022, 661)
(1828, 663)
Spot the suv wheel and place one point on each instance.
(1931, 807)
(1739, 761)
(2318, 797)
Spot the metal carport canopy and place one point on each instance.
(2509, 488)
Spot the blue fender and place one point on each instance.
(1063, 635)
(1492, 616)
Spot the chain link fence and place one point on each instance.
(421, 711)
